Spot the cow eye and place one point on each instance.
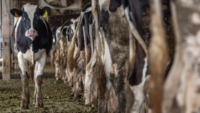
(38, 17)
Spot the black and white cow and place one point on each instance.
(59, 56)
(138, 65)
(134, 11)
(32, 41)
(112, 58)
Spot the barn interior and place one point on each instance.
(105, 56)
(61, 99)
(57, 18)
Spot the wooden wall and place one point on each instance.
(6, 31)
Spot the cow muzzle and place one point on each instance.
(31, 33)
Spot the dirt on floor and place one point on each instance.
(57, 98)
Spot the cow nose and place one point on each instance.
(31, 32)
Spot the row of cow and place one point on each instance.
(104, 52)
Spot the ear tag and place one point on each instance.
(16, 15)
(45, 14)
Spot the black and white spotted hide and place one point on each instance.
(32, 41)
(115, 48)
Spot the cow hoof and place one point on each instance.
(33, 101)
(66, 82)
(24, 104)
(57, 82)
(89, 104)
(39, 105)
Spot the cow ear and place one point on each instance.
(46, 11)
(16, 12)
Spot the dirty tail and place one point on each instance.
(101, 79)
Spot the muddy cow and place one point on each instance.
(68, 34)
(74, 70)
(81, 51)
(59, 57)
(113, 53)
(32, 41)
(138, 64)
(90, 89)
(135, 11)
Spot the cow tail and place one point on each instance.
(70, 60)
(53, 55)
(132, 27)
(101, 79)
(64, 52)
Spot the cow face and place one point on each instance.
(31, 18)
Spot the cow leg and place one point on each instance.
(120, 95)
(103, 105)
(76, 86)
(57, 72)
(66, 75)
(70, 79)
(80, 82)
(24, 79)
(139, 98)
(93, 90)
(88, 81)
(89, 78)
(40, 64)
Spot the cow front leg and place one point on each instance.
(88, 81)
(25, 92)
(24, 80)
(40, 64)
(38, 92)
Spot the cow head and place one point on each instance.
(31, 18)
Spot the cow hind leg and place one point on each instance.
(87, 94)
(103, 104)
(138, 97)
(24, 80)
(57, 72)
(40, 64)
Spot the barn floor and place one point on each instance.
(57, 98)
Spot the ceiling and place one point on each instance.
(22, 2)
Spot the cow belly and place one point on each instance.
(30, 56)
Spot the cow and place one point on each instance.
(112, 52)
(82, 47)
(69, 33)
(138, 60)
(32, 41)
(59, 57)
(75, 74)
(90, 89)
